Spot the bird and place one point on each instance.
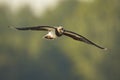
(58, 31)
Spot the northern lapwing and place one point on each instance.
(54, 32)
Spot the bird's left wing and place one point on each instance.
(78, 37)
(42, 28)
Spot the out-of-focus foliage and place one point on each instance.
(24, 55)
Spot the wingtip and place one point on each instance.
(11, 27)
(105, 49)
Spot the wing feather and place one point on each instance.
(43, 28)
(78, 37)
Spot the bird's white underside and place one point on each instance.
(51, 34)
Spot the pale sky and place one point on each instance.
(39, 6)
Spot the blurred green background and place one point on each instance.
(25, 55)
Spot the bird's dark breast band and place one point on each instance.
(57, 33)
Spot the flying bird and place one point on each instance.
(54, 32)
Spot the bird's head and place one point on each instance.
(60, 29)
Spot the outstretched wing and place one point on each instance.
(43, 28)
(78, 37)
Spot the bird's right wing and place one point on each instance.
(39, 28)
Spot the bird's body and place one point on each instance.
(51, 35)
(54, 32)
